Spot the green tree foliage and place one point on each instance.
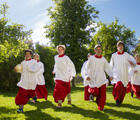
(69, 22)
(47, 57)
(137, 49)
(109, 34)
(13, 41)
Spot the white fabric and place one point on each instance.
(95, 69)
(28, 75)
(83, 73)
(40, 77)
(120, 64)
(135, 79)
(64, 68)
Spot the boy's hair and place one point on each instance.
(28, 50)
(137, 55)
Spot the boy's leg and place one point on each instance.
(101, 98)
(69, 98)
(20, 110)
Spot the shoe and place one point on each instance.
(69, 102)
(118, 103)
(20, 110)
(91, 97)
(59, 105)
(132, 94)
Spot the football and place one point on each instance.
(18, 68)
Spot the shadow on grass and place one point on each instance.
(124, 105)
(74, 109)
(8, 94)
(123, 115)
(6, 111)
(38, 114)
(86, 113)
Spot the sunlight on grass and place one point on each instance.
(79, 110)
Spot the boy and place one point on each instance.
(27, 83)
(41, 91)
(135, 80)
(95, 70)
(86, 83)
(64, 71)
(120, 62)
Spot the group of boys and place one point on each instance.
(94, 70)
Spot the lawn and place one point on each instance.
(79, 110)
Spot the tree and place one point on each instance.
(13, 42)
(109, 34)
(69, 20)
(137, 49)
(47, 57)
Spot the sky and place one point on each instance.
(33, 14)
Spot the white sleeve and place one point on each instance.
(41, 68)
(108, 69)
(112, 61)
(132, 59)
(83, 70)
(54, 68)
(87, 69)
(71, 67)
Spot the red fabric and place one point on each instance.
(119, 91)
(136, 89)
(28, 59)
(61, 90)
(94, 91)
(98, 56)
(101, 98)
(100, 94)
(128, 89)
(41, 92)
(86, 93)
(23, 96)
(119, 53)
(138, 63)
(61, 55)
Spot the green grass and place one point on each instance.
(79, 110)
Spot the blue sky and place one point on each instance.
(33, 14)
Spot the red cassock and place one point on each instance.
(119, 91)
(23, 96)
(41, 92)
(86, 93)
(100, 93)
(136, 89)
(61, 90)
(128, 89)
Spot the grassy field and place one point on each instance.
(79, 110)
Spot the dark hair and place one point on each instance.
(29, 50)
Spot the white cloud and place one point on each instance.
(38, 29)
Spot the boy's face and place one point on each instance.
(28, 55)
(36, 57)
(61, 50)
(138, 59)
(120, 47)
(98, 51)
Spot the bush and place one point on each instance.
(47, 57)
